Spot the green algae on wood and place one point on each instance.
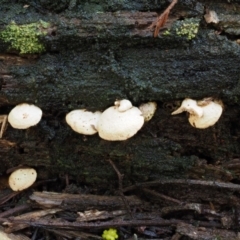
(25, 38)
(187, 28)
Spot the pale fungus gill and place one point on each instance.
(202, 114)
(83, 121)
(24, 116)
(22, 178)
(119, 125)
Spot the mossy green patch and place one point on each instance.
(25, 38)
(187, 28)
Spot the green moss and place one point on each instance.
(187, 28)
(25, 38)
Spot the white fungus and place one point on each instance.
(24, 116)
(211, 17)
(115, 125)
(123, 105)
(22, 178)
(148, 109)
(202, 114)
(83, 121)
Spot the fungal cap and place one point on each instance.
(203, 114)
(22, 178)
(190, 106)
(24, 116)
(211, 114)
(83, 121)
(123, 105)
(115, 125)
(148, 110)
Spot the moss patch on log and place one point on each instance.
(25, 38)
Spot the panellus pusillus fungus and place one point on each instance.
(24, 116)
(22, 178)
(148, 109)
(120, 122)
(83, 121)
(202, 114)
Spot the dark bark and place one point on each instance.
(98, 53)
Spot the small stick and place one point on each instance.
(190, 182)
(154, 193)
(120, 187)
(15, 210)
(4, 122)
(162, 18)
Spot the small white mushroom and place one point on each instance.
(148, 109)
(203, 114)
(24, 116)
(83, 121)
(115, 125)
(123, 105)
(211, 17)
(22, 178)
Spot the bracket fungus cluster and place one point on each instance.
(117, 123)
(24, 116)
(22, 178)
(202, 114)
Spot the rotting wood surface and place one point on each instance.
(94, 57)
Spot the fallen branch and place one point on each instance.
(81, 202)
(215, 184)
(59, 223)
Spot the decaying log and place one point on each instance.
(94, 57)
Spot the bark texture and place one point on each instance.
(97, 52)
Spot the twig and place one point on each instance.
(216, 184)
(15, 210)
(159, 195)
(162, 18)
(8, 196)
(120, 187)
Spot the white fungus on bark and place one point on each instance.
(148, 109)
(123, 105)
(202, 114)
(211, 17)
(24, 116)
(119, 125)
(22, 178)
(83, 121)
